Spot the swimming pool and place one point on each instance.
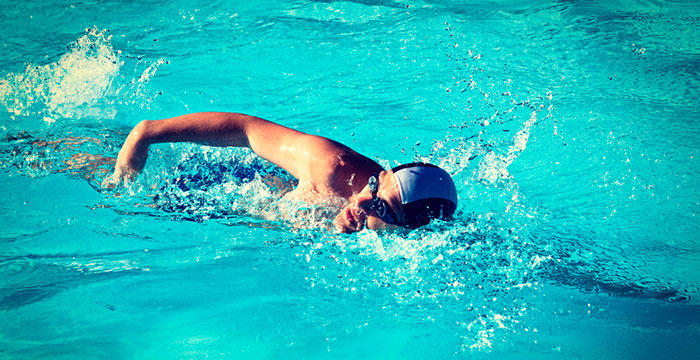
(571, 130)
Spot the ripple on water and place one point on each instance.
(200, 345)
(198, 340)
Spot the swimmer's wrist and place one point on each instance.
(142, 134)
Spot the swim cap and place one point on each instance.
(427, 192)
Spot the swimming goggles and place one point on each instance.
(380, 206)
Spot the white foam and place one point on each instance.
(68, 88)
(86, 82)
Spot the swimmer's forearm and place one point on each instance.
(288, 148)
(216, 129)
(213, 128)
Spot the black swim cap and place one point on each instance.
(427, 192)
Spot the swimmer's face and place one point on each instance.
(361, 212)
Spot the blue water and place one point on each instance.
(571, 128)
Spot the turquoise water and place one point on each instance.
(571, 130)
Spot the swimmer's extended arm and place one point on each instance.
(306, 157)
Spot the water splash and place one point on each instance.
(69, 87)
(483, 269)
(85, 82)
(233, 184)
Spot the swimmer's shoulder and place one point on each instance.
(328, 166)
(346, 172)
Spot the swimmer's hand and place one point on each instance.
(131, 159)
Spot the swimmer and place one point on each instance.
(407, 196)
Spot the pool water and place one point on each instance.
(571, 129)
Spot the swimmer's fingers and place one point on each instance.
(120, 177)
(112, 182)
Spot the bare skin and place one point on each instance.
(321, 165)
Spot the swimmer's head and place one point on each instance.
(427, 192)
(407, 196)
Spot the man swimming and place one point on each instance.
(408, 196)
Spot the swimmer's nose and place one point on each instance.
(364, 202)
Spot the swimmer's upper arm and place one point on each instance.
(306, 157)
